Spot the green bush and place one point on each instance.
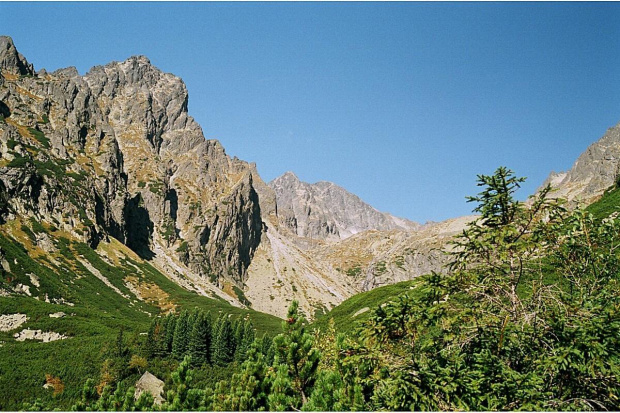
(40, 136)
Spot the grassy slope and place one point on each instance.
(99, 313)
(92, 323)
(609, 203)
(344, 316)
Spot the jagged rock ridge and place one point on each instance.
(115, 153)
(327, 211)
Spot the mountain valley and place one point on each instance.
(115, 208)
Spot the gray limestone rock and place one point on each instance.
(10, 322)
(150, 384)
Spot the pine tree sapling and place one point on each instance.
(296, 358)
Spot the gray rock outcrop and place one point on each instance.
(44, 336)
(10, 322)
(11, 61)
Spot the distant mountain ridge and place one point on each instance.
(324, 210)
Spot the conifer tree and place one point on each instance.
(246, 340)
(181, 336)
(237, 326)
(160, 346)
(128, 400)
(325, 394)
(170, 324)
(120, 348)
(181, 393)
(190, 323)
(496, 203)
(267, 348)
(144, 402)
(216, 326)
(151, 340)
(248, 334)
(247, 391)
(89, 397)
(223, 342)
(199, 340)
(209, 328)
(297, 360)
(282, 395)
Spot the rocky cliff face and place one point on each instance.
(376, 258)
(202, 203)
(595, 170)
(325, 211)
(115, 153)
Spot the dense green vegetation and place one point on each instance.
(608, 204)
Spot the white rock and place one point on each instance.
(10, 322)
(45, 337)
(59, 314)
(21, 288)
(34, 280)
(360, 311)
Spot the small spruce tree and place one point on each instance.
(170, 324)
(223, 347)
(199, 340)
(181, 336)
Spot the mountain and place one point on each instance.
(114, 153)
(377, 258)
(326, 211)
(595, 170)
(316, 245)
(113, 156)
(114, 209)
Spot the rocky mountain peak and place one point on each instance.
(136, 92)
(594, 171)
(11, 61)
(324, 210)
(144, 173)
(288, 176)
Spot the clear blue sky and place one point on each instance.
(400, 103)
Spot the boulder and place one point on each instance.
(150, 384)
